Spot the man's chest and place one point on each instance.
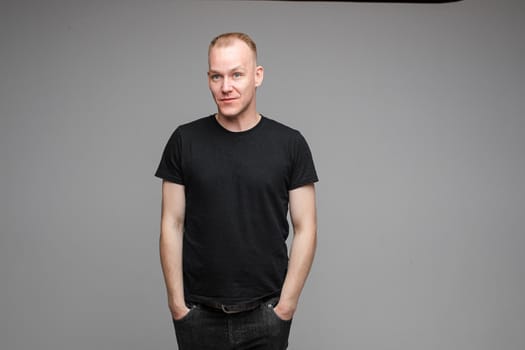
(251, 165)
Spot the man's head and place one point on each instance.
(233, 74)
(227, 39)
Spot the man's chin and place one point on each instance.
(228, 114)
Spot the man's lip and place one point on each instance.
(228, 99)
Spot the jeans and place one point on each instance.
(258, 329)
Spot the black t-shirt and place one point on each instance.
(236, 187)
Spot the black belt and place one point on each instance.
(236, 308)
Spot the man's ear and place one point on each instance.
(259, 75)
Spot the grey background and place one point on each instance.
(415, 115)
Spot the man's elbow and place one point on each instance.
(306, 229)
(170, 226)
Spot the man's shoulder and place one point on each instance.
(279, 128)
(195, 128)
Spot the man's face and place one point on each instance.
(233, 77)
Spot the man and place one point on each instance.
(228, 181)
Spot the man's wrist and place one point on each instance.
(176, 303)
(284, 311)
(286, 307)
(178, 310)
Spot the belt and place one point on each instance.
(236, 308)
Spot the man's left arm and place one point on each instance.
(304, 222)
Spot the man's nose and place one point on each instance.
(226, 85)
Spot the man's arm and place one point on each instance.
(171, 231)
(304, 222)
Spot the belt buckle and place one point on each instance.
(225, 309)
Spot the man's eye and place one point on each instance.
(215, 77)
(237, 75)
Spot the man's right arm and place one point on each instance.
(171, 232)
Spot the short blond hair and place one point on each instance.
(227, 39)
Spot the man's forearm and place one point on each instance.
(301, 258)
(171, 261)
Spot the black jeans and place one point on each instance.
(258, 329)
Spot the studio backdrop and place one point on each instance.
(415, 117)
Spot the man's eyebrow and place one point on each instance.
(238, 68)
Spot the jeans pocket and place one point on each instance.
(190, 313)
(270, 306)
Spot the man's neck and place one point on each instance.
(238, 123)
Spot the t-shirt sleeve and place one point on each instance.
(303, 169)
(170, 166)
